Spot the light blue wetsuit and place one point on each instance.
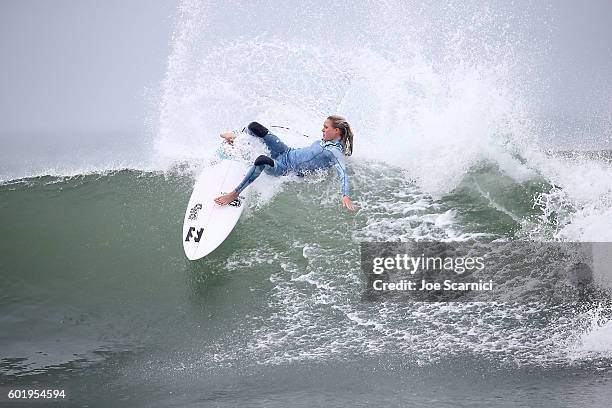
(319, 155)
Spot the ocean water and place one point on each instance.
(98, 298)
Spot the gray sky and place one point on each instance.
(77, 66)
(85, 67)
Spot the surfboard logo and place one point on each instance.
(193, 213)
(235, 203)
(198, 234)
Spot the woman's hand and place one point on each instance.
(347, 203)
(228, 137)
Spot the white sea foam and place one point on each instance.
(435, 118)
(429, 101)
(596, 340)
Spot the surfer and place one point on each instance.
(337, 141)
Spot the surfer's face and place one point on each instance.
(329, 132)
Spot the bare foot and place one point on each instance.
(227, 198)
(228, 136)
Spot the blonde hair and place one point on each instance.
(338, 122)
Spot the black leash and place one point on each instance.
(285, 127)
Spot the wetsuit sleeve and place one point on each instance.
(337, 158)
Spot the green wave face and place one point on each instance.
(95, 282)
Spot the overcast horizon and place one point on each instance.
(87, 69)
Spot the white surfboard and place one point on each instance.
(206, 224)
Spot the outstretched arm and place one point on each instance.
(338, 161)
